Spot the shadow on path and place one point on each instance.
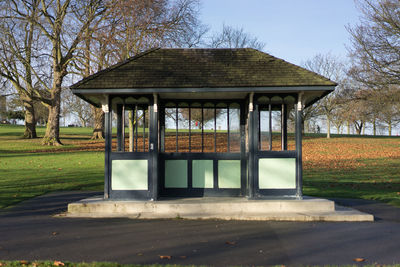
(48, 204)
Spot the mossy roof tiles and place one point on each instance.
(198, 68)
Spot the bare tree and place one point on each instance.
(375, 41)
(62, 24)
(333, 68)
(77, 107)
(58, 16)
(132, 26)
(138, 25)
(231, 37)
(19, 40)
(386, 102)
(359, 108)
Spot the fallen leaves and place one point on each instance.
(165, 257)
(345, 153)
(359, 259)
(58, 263)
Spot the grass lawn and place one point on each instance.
(28, 169)
(343, 166)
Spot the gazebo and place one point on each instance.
(203, 122)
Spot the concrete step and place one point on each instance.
(209, 206)
(308, 209)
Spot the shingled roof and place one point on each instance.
(199, 68)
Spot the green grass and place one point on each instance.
(363, 167)
(376, 179)
(24, 174)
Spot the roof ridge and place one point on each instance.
(204, 48)
(112, 67)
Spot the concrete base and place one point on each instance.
(225, 208)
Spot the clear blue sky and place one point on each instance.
(294, 30)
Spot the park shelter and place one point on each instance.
(203, 122)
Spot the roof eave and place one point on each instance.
(328, 88)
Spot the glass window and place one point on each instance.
(196, 140)
(201, 128)
(272, 126)
(208, 129)
(136, 121)
(222, 130)
(276, 124)
(264, 130)
(171, 133)
(130, 124)
(183, 129)
(234, 128)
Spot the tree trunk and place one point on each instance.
(98, 130)
(328, 128)
(348, 127)
(52, 135)
(374, 126)
(390, 128)
(83, 122)
(30, 121)
(359, 127)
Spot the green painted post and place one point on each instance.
(252, 144)
(299, 176)
(153, 140)
(107, 164)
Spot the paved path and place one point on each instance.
(30, 232)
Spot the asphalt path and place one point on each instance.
(29, 231)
